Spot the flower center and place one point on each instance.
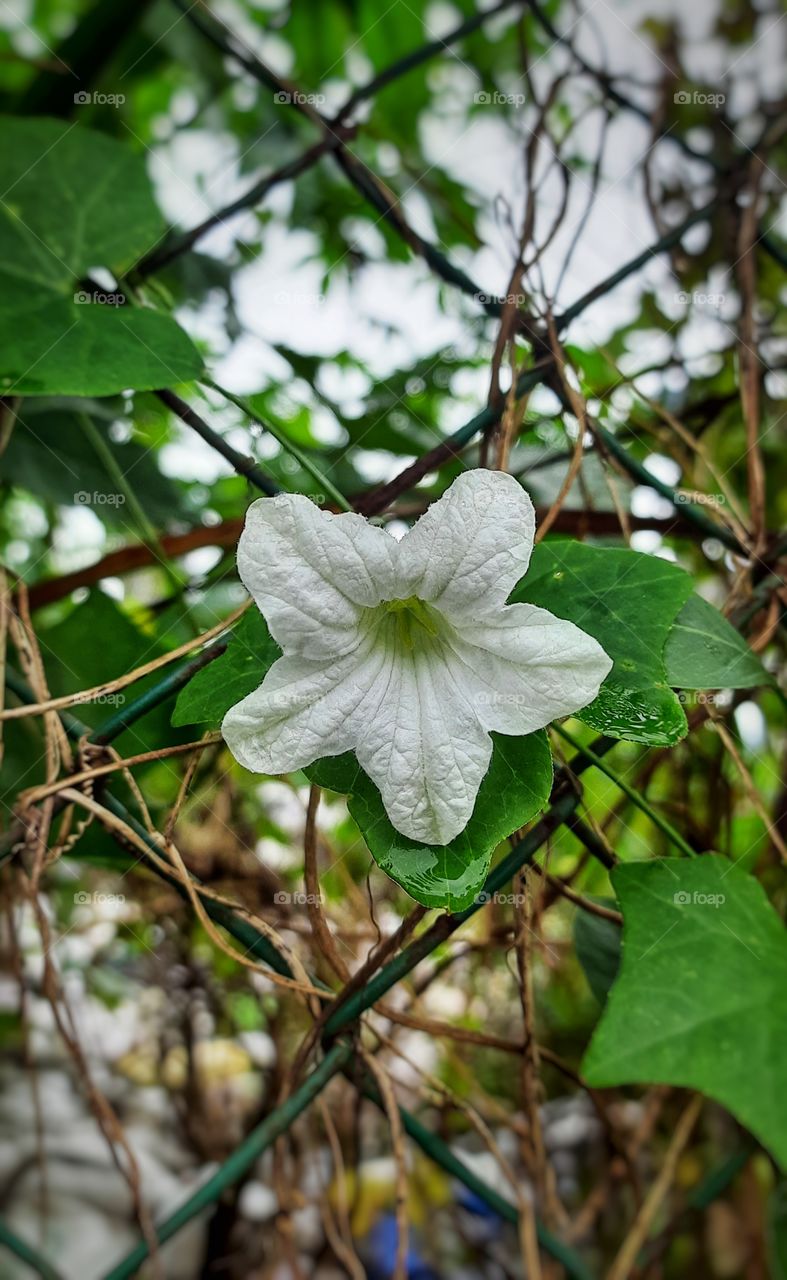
(410, 623)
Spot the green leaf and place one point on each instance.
(597, 943)
(701, 1001)
(703, 651)
(776, 1234)
(627, 601)
(49, 454)
(75, 660)
(516, 787)
(74, 200)
(239, 671)
(653, 716)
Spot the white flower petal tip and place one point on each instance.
(405, 652)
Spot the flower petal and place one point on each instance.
(411, 727)
(421, 743)
(469, 550)
(526, 667)
(312, 573)
(302, 711)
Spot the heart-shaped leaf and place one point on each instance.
(75, 200)
(701, 1000)
(703, 651)
(628, 602)
(235, 674)
(516, 787)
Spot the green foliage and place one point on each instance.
(777, 1231)
(703, 651)
(597, 941)
(76, 200)
(628, 602)
(391, 358)
(50, 455)
(515, 788)
(237, 672)
(701, 1000)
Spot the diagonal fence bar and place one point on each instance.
(26, 1252)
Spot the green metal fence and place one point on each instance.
(338, 1050)
(343, 1016)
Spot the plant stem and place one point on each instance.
(288, 445)
(636, 799)
(139, 516)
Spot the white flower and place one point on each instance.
(405, 652)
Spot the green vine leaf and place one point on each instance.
(703, 651)
(701, 1000)
(628, 602)
(597, 943)
(240, 670)
(75, 200)
(515, 789)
